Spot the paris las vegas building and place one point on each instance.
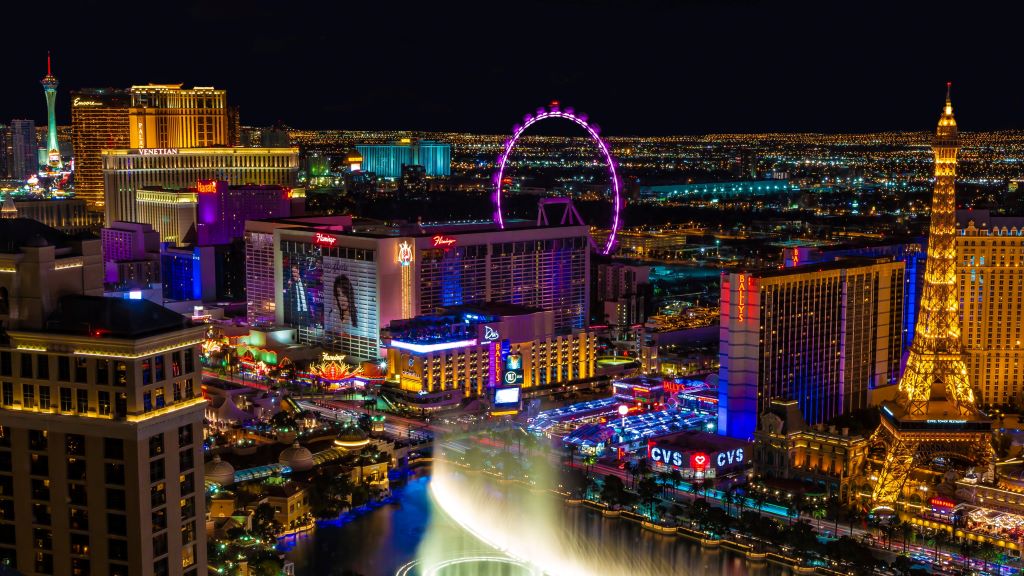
(100, 418)
(338, 284)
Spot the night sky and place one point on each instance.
(637, 67)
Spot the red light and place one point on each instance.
(324, 240)
(443, 241)
(699, 460)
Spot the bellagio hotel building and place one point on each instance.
(990, 250)
(100, 420)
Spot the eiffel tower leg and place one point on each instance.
(899, 460)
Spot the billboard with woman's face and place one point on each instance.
(350, 297)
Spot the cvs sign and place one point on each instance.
(730, 457)
(665, 455)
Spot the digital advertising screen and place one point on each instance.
(513, 373)
(506, 396)
(350, 305)
(303, 298)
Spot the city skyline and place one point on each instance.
(691, 69)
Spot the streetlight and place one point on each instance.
(623, 410)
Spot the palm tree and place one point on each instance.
(987, 552)
(819, 513)
(759, 498)
(854, 516)
(906, 529)
(940, 538)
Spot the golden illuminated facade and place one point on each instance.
(990, 250)
(169, 116)
(935, 413)
(99, 120)
(101, 414)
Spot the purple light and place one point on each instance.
(426, 348)
(592, 131)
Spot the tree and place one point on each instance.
(818, 513)
(263, 522)
(759, 498)
(940, 538)
(906, 530)
(613, 492)
(987, 552)
(648, 492)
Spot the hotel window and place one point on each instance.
(121, 374)
(65, 399)
(83, 401)
(184, 435)
(156, 445)
(81, 370)
(103, 372)
(156, 470)
(176, 364)
(117, 524)
(8, 393)
(147, 401)
(158, 397)
(104, 402)
(43, 367)
(5, 363)
(26, 365)
(189, 393)
(158, 363)
(147, 371)
(189, 361)
(63, 369)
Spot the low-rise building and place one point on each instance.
(785, 447)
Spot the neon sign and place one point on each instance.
(206, 186)
(699, 460)
(332, 357)
(734, 456)
(80, 102)
(443, 241)
(741, 305)
(156, 151)
(668, 457)
(324, 240)
(404, 253)
(490, 333)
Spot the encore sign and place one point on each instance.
(324, 240)
(443, 241)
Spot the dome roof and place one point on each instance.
(299, 458)
(351, 437)
(219, 471)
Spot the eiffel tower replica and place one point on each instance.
(934, 415)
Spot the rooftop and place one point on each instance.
(840, 264)
(103, 317)
(17, 233)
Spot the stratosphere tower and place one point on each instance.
(50, 91)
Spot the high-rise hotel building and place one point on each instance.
(126, 171)
(169, 116)
(990, 258)
(99, 120)
(824, 335)
(100, 419)
(151, 116)
(339, 284)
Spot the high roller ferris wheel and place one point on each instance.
(593, 131)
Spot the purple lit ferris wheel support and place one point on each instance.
(554, 111)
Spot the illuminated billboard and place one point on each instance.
(303, 298)
(513, 373)
(350, 305)
(506, 396)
